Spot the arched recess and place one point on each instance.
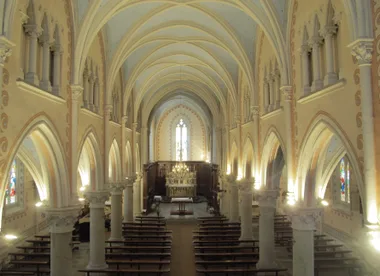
(39, 142)
(323, 146)
(273, 161)
(89, 163)
(248, 162)
(114, 170)
(234, 159)
(128, 159)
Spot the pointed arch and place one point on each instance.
(90, 160)
(114, 170)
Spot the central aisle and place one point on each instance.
(182, 260)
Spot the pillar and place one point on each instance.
(107, 117)
(288, 96)
(316, 42)
(96, 96)
(234, 198)
(128, 200)
(305, 69)
(277, 80)
(255, 110)
(97, 233)
(91, 92)
(303, 223)
(137, 195)
(331, 76)
(76, 92)
(267, 204)
(227, 148)
(124, 120)
(45, 82)
(266, 93)
(246, 209)
(34, 31)
(362, 50)
(218, 146)
(57, 69)
(85, 88)
(271, 92)
(62, 222)
(116, 190)
(224, 199)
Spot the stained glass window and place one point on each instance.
(181, 141)
(10, 192)
(344, 169)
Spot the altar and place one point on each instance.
(180, 182)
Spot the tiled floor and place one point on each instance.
(80, 257)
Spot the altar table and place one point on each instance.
(182, 205)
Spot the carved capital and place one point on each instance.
(33, 30)
(108, 109)
(245, 185)
(76, 92)
(304, 218)
(288, 92)
(304, 49)
(62, 220)
(362, 51)
(124, 120)
(5, 48)
(255, 110)
(134, 125)
(231, 179)
(315, 41)
(116, 188)
(267, 198)
(328, 31)
(97, 199)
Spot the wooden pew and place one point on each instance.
(227, 263)
(32, 266)
(226, 255)
(217, 232)
(142, 227)
(141, 248)
(149, 218)
(148, 237)
(219, 227)
(226, 248)
(29, 255)
(216, 223)
(158, 271)
(138, 255)
(145, 223)
(251, 271)
(138, 263)
(225, 242)
(146, 232)
(16, 272)
(216, 237)
(140, 242)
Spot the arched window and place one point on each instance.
(181, 141)
(10, 192)
(344, 169)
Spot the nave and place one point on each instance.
(203, 244)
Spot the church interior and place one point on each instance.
(189, 137)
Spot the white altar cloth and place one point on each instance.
(182, 200)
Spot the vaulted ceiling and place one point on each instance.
(201, 46)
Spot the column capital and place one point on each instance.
(124, 119)
(328, 31)
(362, 50)
(304, 218)
(108, 109)
(62, 220)
(315, 41)
(116, 188)
(134, 125)
(255, 110)
(245, 185)
(231, 179)
(287, 90)
(76, 91)
(305, 48)
(97, 198)
(33, 30)
(267, 198)
(5, 48)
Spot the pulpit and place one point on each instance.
(180, 182)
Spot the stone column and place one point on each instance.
(116, 190)
(316, 42)
(97, 232)
(255, 111)
(128, 200)
(246, 209)
(107, 117)
(133, 148)
(96, 95)
(234, 198)
(277, 80)
(137, 195)
(227, 148)
(362, 51)
(76, 92)
(57, 69)
(303, 223)
(288, 96)
(91, 92)
(85, 88)
(124, 120)
(218, 146)
(305, 69)
(45, 82)
(225, 196)
(271, 92)
(34, 31)
(61, 222)
(329, 33)
(266, 92)
(267, 204)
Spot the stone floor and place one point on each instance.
(80, 257)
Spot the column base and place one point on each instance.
(45, 85)
(317, 85)
(32, 79)
(56, 90)
(331, 78)
(97, 266)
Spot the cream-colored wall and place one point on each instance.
(165, 142)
